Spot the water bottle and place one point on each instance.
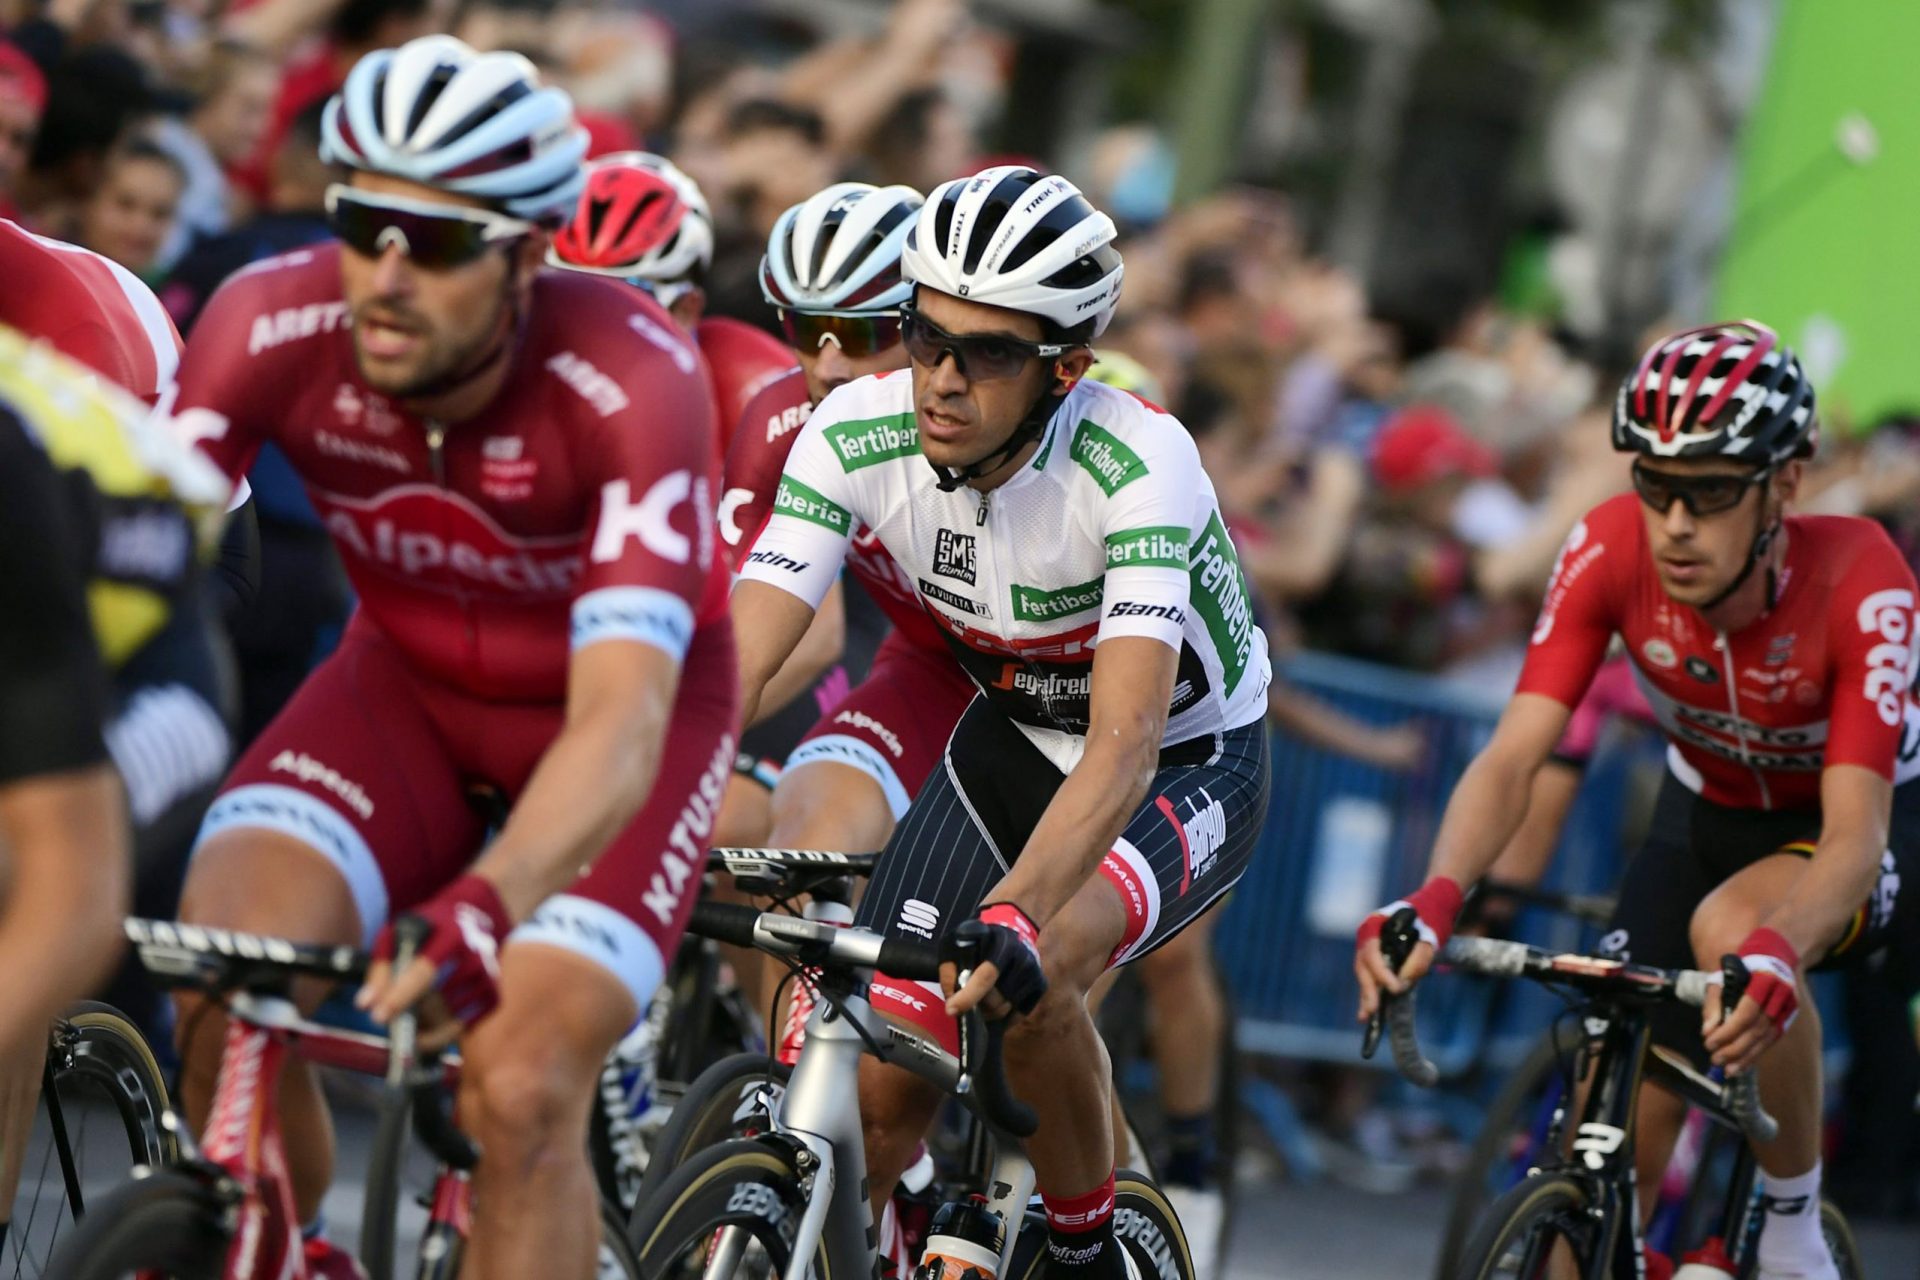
(965, 1243)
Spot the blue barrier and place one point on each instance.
(1343, 837)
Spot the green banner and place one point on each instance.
(1825, 243)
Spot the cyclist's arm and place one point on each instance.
(794, 562)
(63, 827)
(822, 645)
(593, 777)
(1855, 809)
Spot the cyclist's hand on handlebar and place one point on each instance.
(1764, 1013)
(1435, 903)
(460, 958)
(1002, 947)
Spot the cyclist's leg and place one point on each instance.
(344, 808)
(1189, 1014)
(575, 975)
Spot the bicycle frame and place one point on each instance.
(820, 1111)
(243, 1150)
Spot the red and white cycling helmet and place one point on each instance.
(439, 113)
(639, 218)
(1722, 391)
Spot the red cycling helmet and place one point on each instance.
(632, 222)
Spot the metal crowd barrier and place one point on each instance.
(1344, 837)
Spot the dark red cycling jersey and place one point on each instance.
(576, 507)
(755, 461)
(741, 361)
(1751, 717)
(88, 308)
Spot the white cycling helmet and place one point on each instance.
(437, 112)
(1015, 238)
(839, 250)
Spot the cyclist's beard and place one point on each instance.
(445, 363)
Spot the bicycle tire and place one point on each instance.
(380, 1207)
(707, 1114)
(1513, 1109)
(740, 1184)
(1838, 1233)
(1143, 1222)
(1543, 1201)
(617, 1257)
(94, 1054)
(167, 1223)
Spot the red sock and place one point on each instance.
(1080, 1232)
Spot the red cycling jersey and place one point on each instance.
(741, 361)
(754, 462)
(89, 308)
(576, 507)
(1751, 718)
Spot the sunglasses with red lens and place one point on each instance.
(435, 236)
(1707, 495)
(857, 335)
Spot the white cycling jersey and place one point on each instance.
(1111, 529)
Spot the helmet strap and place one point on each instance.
(1759, 551)
(1032, 426)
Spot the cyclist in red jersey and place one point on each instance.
(832, 271)
(642, 220)
(517, 467)
(1778, 653)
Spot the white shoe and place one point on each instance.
(1203, 1215)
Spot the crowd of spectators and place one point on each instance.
(1400, 466)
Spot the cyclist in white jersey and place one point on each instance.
(1106, 786)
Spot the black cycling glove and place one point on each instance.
(1002, 935)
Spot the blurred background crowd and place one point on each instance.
(1386, 259)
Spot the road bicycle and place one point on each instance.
(791, 1201)
(75, 1129)
(223, 1208)
(1577, 1204)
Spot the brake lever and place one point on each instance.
(1397, 938)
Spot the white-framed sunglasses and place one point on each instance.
(429, 233)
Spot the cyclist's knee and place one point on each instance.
(823, 805)
(1061, 1013)
(895, 1109)
(525, 1101)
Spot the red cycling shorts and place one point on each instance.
(893, 726)
(371, 764)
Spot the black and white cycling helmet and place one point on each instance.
(1015, 238)
(1723, 391)
(437, 112)
(838, 251)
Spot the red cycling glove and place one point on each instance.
(1771, 961)
(1435, 904)
(465, 924)
(1003, 935)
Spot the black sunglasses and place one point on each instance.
(436, 236)
(1700, 495)
(981, 357)
(857, 335)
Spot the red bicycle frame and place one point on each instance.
(243, 1137)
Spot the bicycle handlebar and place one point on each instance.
(1493, 957)
(199, 955)
(814, 942)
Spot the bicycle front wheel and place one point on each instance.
(1510, 1140)
(166, 1224)
(1838, 1234)
(1144, 1224)
(1527, 1228)
(730, 1213)
(98, 1115)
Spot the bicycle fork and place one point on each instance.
(1603, 1144)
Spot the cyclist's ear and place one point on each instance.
(1785, 484)
(1070, 368)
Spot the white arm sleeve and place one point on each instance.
(1148, 527)
(811, 525)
